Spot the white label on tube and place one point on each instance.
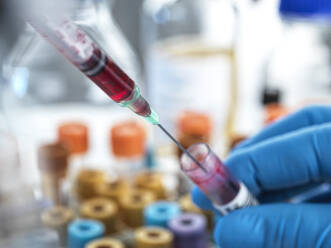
(243, 199)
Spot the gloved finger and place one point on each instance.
(276, 226)
(309, 116)
(293, 159)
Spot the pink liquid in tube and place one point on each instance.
(216, 182)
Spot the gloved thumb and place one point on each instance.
(276, 226)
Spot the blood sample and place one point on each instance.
(89, 58)
(216, 181)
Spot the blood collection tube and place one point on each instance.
(153, 237)
(58, 218)
(132, 206)
(53, 163)
(75, 136)
(105, 243)
(82, 231)
(192, 127)
(128, 143)
(216, 181)
(189, 230)
(103, 210)
(151, 181)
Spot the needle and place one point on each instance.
(181, 147)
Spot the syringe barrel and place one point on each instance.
(216, 181)
(85, 54)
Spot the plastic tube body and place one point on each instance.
(217, 182)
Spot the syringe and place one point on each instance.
(91, 60)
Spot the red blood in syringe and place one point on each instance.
(113, 81)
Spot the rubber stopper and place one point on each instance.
(153, 237)
(159, 213)
(113, 190)
(103, 210)
(53, 159)
(132, 206)
(87, 182)
(81, 232)
(128, 139)
(151, 181)
(105, 243)
(75, 136)
(189, 231)
(193, 127)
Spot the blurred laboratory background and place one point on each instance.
(78, 170)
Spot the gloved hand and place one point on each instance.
(288, 157)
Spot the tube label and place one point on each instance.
(243, 199)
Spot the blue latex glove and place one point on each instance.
(288, 157)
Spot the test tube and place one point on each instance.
(216, 181)
(53, 163)
(128, 143)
